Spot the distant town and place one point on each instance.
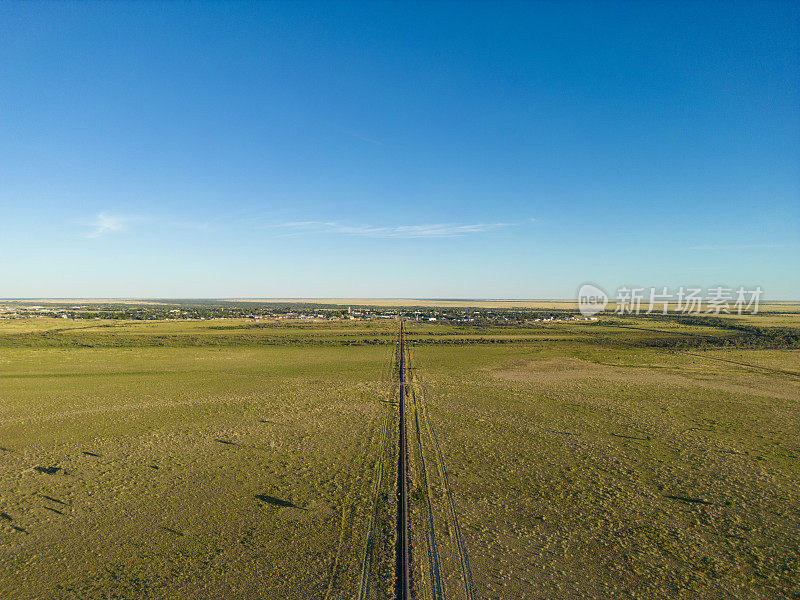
(207, 310)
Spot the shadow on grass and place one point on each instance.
(56, 500)
(629, 437)
(8, 517)
(48, 470)
(240, 445)
(277, 501)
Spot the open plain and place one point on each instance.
(622, 458)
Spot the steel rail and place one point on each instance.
(402, 567)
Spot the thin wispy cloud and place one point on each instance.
(106, 223)
(109, 223)
(363, 138)
(436, 230)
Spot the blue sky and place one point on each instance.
(457, 149)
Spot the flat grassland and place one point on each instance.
(132, 470)
(235, 459)
(593, 467)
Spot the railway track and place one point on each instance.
(404, 586)
(372, 560)
(403, 547)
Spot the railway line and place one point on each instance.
(405, 587)
(403, 548)
(415, 572)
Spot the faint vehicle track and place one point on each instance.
(348, 520)
(433, 553)
(350, 512)
(377, 490)
(744, 364)
(466, 572)
(696, 335)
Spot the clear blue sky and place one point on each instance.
(455, 149)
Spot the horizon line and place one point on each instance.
(305, 298)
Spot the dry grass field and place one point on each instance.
(187, 472)
(232, 459)
(585, 471)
